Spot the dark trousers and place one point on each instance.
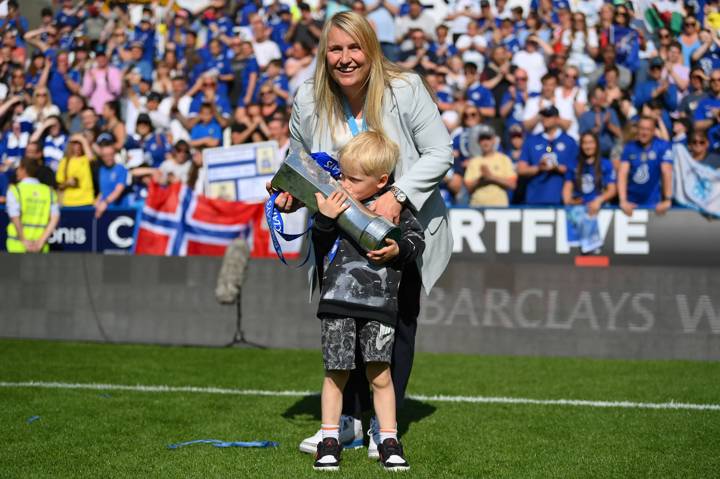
(356, 397)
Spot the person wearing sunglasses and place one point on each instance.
(571, 99)
(657, 88)
(690, 38)
(700, 148)
(708, 53)
(514, 100)
(707, 113)
(601, 121)
(624, 38)
(696, 92)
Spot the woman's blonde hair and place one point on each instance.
(373, 153)
(328, 96)
(48, 98)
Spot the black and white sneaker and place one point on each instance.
(327, 457)
(391, 456)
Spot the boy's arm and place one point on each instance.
(412, 239)
(324, 234)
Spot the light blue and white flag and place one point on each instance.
(582, 229)
(695, 185)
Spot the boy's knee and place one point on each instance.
(378, 375)
(337, 376)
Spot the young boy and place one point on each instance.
(359, 296)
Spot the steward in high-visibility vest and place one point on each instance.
(33, 210)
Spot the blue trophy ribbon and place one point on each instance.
(219, 443)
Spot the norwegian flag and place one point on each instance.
(177, 222)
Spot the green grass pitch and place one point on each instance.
(124, 434)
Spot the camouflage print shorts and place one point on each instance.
(339, 338)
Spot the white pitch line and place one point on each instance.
(418, 397)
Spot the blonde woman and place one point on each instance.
(74, 174)
(355, 88)
(41, 108)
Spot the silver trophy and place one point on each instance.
(302, 177)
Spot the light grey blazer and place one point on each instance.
(412, 120)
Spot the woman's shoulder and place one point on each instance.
(406, 83)
(305, 94)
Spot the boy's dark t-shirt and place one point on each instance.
(353, 286)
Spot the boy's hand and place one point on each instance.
(333, 205)
(388, 253)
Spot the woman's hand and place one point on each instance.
(663, 206)
(594, 206)
(388, 207)
(383, 255)
(627, 207)
(334, 205)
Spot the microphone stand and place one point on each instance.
(239, 337)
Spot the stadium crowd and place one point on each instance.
(558, 102)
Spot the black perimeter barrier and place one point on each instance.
(498, 302)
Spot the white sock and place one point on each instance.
(387, 434)
(330, 430)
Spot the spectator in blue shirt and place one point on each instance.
(656, 87)
(477, 94)
(514, 99)
(218, 64)
(442, 48)
(145, 34)
(207, 133)
(14, 21)
(545, 160)
(275, 76)
(54, 138)
(418, 56)
(4, 183)
(602, 121)
(60, 80)
(645, 174)
(281, 27)
(69, 15)
(708, 109)
(505, 36)
(154, 143)
(245, 72)
(112, 179)
(209, 94)
(592, 180)
(137, 60)
(690, 102)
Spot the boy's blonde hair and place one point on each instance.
(370, 152)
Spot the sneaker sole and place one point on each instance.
(308, 448)
(397, 468)
(327, 468)
(373, 454)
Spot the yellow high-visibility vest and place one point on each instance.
(35, 201)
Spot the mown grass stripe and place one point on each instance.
(418, 397)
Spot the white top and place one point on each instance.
(459, 24)
(566, 107)
(177, 131)
(576, 44)
(534, 66)
(425, 22)
(265, 52)
(33, 115)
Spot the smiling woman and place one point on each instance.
(355, 88)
